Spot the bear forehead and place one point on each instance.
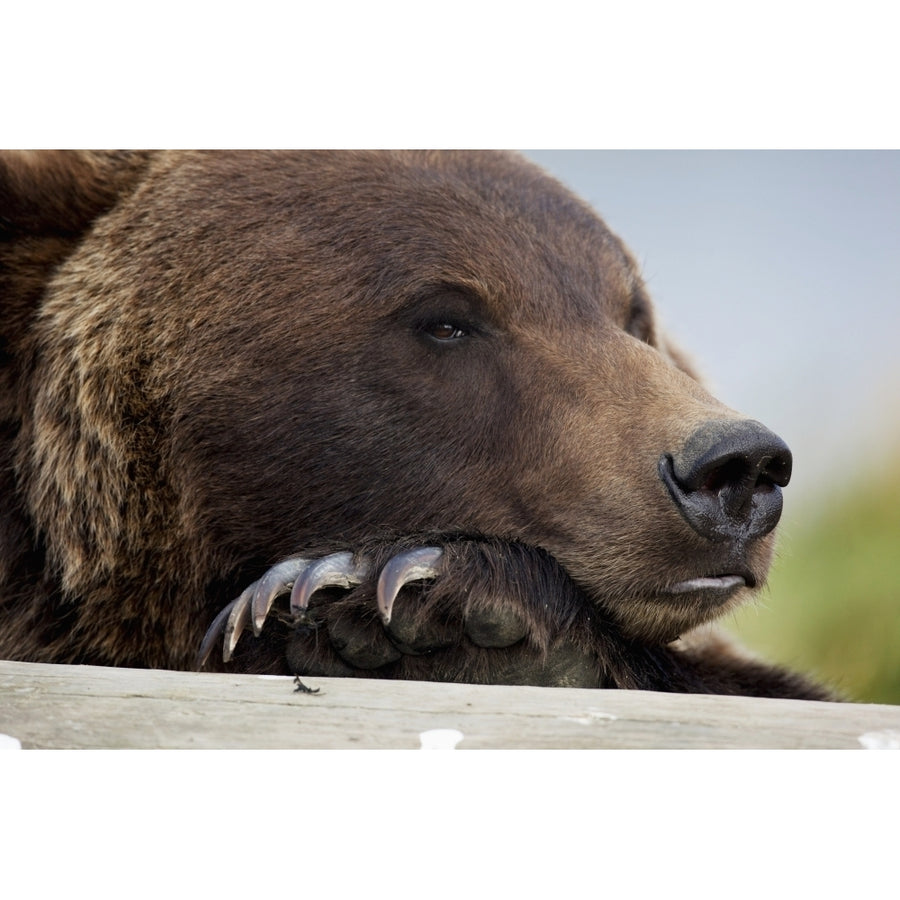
(393, 225)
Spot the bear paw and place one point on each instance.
(476, 611)
(302, 577)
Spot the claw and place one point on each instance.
(237, 621)
(276, 581)
(337, 570)
(400, 570)
(213, 633)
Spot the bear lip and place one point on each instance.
(716, 583)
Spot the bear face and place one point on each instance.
(240, 358)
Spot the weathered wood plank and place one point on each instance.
(92, 707)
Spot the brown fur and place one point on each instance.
(212, 361)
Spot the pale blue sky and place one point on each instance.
(779, 271)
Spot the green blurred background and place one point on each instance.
(779, 272)
(831, 608)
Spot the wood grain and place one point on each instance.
(50, 706)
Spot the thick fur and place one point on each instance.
(213, 361)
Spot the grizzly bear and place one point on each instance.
(386, 414)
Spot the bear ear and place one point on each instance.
(62, 191)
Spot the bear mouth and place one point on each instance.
(712, 585)
(663, 614)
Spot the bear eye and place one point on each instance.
(444, 332)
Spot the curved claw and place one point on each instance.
(400, 570)
(336, 570)
(276, 581)
(213, 633)
(237, 621)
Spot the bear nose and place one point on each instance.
(726, 480)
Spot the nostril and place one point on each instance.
(732, 471)
(739, 477)
(726, 479)
(726, 453)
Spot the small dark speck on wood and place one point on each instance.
(302, 688)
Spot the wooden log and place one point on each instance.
(50, 706)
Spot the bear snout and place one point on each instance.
(726, 479)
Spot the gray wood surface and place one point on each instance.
(49, 706)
